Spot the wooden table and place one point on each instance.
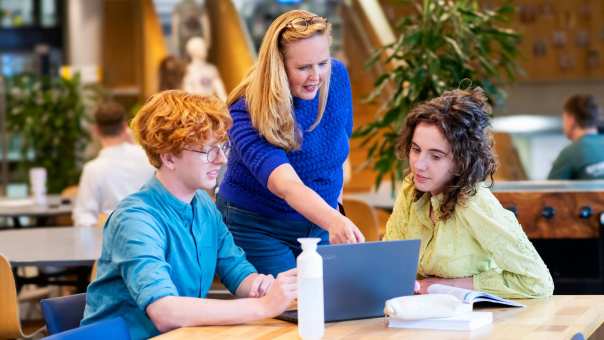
(558, 317)
(52, 246)
(65, 254)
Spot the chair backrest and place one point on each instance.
(101, 220)
(63, 313)
(10, 324)
(114, 329)
(70, 192)
(93, 271)
(364, 216)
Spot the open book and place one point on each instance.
(471, 296)
(443, 308)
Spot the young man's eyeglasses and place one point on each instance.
(302, 24)
(214, 153)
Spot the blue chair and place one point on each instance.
(63, 313)
(114, 329)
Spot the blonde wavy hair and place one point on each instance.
(266, 87)
(172, 120)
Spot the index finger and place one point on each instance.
(359, 235)
(265, 285)
(255, 285)
(350, 236)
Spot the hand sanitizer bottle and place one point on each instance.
(311, 323)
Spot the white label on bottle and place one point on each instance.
(310, 266)
(311, 324)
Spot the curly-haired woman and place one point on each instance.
(163, 244)
(467, 238)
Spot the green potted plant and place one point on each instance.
(441, 45)
(48, 118)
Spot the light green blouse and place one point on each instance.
(481, 239)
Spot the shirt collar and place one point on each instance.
(422, 207)
(184, 210)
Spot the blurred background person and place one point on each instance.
(189, 19)
(201, 77)
(120, 169)
(171, 73)
(583, 159)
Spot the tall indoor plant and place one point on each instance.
(441, 45)
(48, 116)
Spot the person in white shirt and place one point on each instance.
(120, 169)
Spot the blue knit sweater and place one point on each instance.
(318, 162)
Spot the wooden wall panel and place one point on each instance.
(361, 35)
(133, 46)
(121, 46)
(231, 50)
(565, 222)
(554, 33)
(154, 48)
(561, 40)
(510, 166)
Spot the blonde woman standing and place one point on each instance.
(292, 119)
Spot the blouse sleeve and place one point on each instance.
(520, 272)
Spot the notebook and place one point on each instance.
(462, 322)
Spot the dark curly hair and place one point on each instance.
(584, 108)
(463, 118)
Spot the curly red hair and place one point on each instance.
(173, 120)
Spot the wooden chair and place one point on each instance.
(10, 323)
(100, 223)
(93, 271)
(70, 194)
(364, 216)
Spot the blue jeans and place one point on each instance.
(270, 244)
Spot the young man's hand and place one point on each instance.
(261, 285)
(283, 290)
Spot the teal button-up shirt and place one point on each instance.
(155, 245)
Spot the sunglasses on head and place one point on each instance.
(301, 24)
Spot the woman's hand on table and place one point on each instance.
(424, 284)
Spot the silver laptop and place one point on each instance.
(359, 278)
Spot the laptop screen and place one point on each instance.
(359, 278)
